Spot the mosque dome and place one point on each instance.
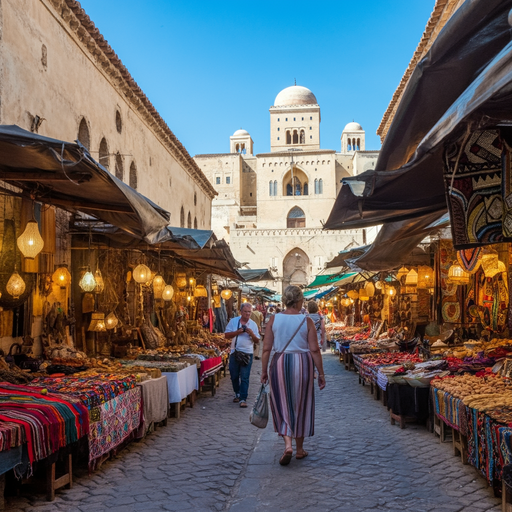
(240, 133)
(295, 95)
(353, 127)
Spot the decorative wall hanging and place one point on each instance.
(470, 259)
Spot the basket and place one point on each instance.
(444, 336)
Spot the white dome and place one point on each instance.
(240, 132)
(295, 95)
(353, 127)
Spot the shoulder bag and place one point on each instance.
(242, 358)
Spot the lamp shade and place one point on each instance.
(363, 295)
(168, 292)
(62, 277)
(97, 323)
(401, 273)
(353, 294)
(87, 283)
(30, 242)
(226, 294)
(15, 286)
(379, 285)
(158, 286)
(456, 274)
(100, 284)
(425, 277)
(181, 280)
(370, 289)
(391, 291)
(111, 321)
(200, 291)
(141, 274)
(412, 278)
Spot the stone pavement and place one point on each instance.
(213, 459)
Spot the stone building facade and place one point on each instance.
(271, 206)
(60, 78)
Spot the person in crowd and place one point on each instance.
(257, 318)
(291, 375)
(243, 332)
(319, 322)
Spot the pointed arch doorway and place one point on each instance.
(296, 268)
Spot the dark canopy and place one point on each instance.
(259, 274)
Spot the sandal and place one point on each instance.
(286, 458)
(303, 456)
(243, 403)
(236, 399)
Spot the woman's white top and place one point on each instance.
(283, 328)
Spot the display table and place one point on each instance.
(406, 402)
(155, 402)
(209, 367)
(181, 384)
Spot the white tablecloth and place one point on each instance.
(181, 384)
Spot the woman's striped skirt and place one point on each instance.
(292, 398)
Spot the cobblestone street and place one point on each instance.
(214, 459)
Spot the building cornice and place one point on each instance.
(443, 9)
(215, 155)
(298, 153)
(86, 32)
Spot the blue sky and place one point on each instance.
(211, 68)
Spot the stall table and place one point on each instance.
(180, 385)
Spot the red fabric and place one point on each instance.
(207, 365)
(210, 316)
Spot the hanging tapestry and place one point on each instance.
(475, 199)
(469, 259)
(450, 306)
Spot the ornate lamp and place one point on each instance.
(15, 286)
(200, 291)
(158, 286)
(30, 242)
(226, 294)
(141, 274)
(425, 277)
(97, 323)
(370, 289)
(168, 292)
(192, 282)
(412, 278)
(353, 294)
(401, 273)
(391, 291)
(457, 275)
(100, 284)
(62, 277)
(363, 296)
(181, 280)
(87, 283)
(111, 321)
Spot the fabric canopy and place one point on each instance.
(260, 274)
(464, 80)
(64, 174)
(335, 280)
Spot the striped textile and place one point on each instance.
(292, 398)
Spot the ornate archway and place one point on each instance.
(296, 268)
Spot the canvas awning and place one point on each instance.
(464, 80)
(259, 274)
(65, 175)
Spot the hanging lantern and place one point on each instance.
(490, 262)
(100, 284)
(412, 278)
(168, 292)
(379, 285)
(362, 295)
(192, 282)
(158, 286)
(141, 274)
(226, 294)
(401, 273)
(425, 277)
(353, 294)
(30, 242)
(97, 323)
(370, 289)
(61, 277)
(15, 285)
(346, 302)
(391, 291)
(200, 291)
(181, 280)
(87, 283)
(456, 274)
(111, 321)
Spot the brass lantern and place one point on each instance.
(391, 291)
(97, 323)
(200, 291)
(181, 280)
(158, 286)
(412, 278)
(62, 277)
(353, 294)
(141, 274)
(457, 275)
(425, 277)
(15, 285)
(401, 273)
(111, 321)
(30, 242)
(87, 283)
(192, 282)
(370, 289)
(168, 292)
(100, 284)
(226, 294)
(363, 296)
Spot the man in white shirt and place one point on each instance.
(244, 333)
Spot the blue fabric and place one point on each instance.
(9, 459)
(240, 377)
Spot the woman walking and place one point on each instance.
(243, 332)
(294, 339)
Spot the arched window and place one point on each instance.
(237, 148)
(182, 218)
(288, 137)
(320, 186)
(195, 199)
(289, 189)
(270, 188)
(358, 144)
(305, 189)
(295, 137)
(83, 134)
(189, 221)
(302, 137)
(133, 175)
(104, 158)
(298, 186)
(349, 146)
(119, 166)
(275, 187)
(296, 218)
(119, 122)
(316, 186)
(195, 222)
